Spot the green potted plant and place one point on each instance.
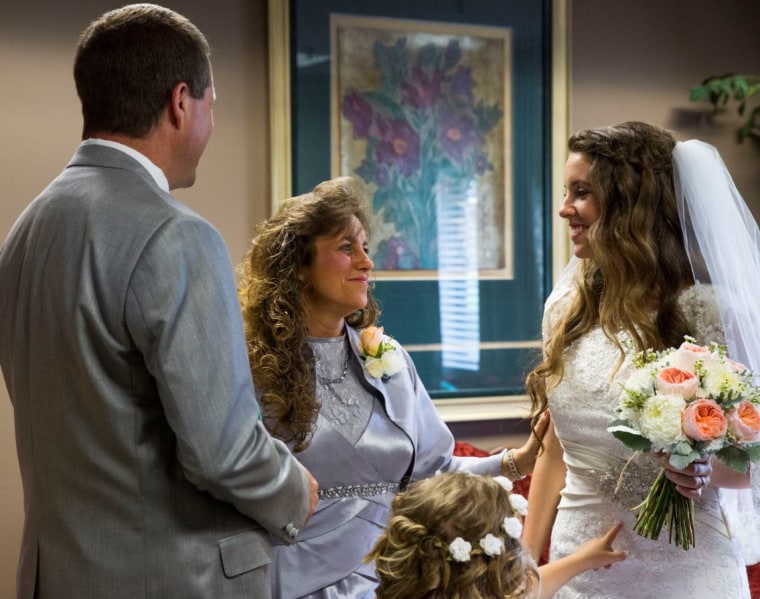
(719, 90)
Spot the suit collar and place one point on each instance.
(107, 156)
(155, 172)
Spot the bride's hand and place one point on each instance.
(691, 480)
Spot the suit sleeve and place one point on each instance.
(183, 313)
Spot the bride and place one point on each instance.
(635, 203)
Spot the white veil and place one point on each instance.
(723, 244)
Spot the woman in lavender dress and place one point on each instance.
(363, 429)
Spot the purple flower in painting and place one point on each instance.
(456, 132)
(462, 83)
(399, 145)
(452, 54)
(374, 173)
(422, 90)
(394, 253)
(359, 112)
(421, 116)
(482, 164)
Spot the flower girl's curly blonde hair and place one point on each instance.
(414, 558)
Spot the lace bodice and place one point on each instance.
(344, 400)
(584, 401)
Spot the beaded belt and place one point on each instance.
(365, 490)
(627, 487)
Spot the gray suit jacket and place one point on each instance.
(146, 469)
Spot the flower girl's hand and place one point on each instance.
(598, 553)
(691, 480)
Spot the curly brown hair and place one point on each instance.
(639, 265)
(272, 297)
(412, 556)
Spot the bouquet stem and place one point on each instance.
(665, 505)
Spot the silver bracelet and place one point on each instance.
(511, 466)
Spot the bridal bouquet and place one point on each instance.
(688, 402)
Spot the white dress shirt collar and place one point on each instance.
(155, 172)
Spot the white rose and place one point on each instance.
(375, 367)
(460, 550)
(513, 527)
(504, 482)
(630, 415)
(661, 420)
(720, 377)
(641, 380)
(491, 545)
(519, 504)
(393, 362)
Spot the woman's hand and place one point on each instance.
(691, 480)
(525, 455)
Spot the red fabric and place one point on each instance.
(754, 581)
(466, 449)
(522, 487)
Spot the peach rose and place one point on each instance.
(703, 420)
(370, 340)
(676, 381)
(736, 366)
(687, 355)
(744, 422)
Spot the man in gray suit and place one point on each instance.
(147, 472)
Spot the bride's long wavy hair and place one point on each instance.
(639, 264)
(272, 297)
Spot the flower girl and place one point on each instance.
(456, 536)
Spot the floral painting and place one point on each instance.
(421, 113)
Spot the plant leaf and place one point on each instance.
(735, 457)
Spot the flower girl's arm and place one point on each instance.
(548, 480)
(591, 555)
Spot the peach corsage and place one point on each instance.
(382, 359)
(688, 403)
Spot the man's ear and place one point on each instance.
(178, 104)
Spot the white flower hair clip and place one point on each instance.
(519, 504)
(460, 550)
(491, 545)
(505, 483)
(512, 525)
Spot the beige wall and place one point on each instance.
(635, 64)
(637, 61)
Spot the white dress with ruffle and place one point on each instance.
(582, 406)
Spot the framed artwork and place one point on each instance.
(455, 115)
(421, 112)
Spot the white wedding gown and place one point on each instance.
(582, 406)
